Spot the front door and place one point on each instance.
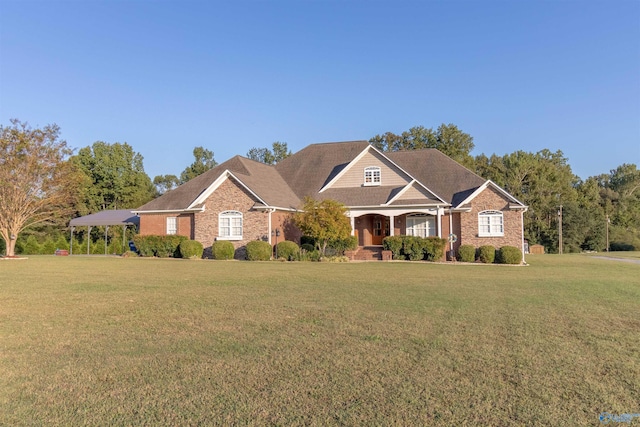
(380, 228)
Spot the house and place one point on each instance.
(421, 193)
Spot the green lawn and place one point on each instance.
(110, 341)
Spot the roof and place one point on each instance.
(112, 217)
(439, 173)
(263, 180)
(308, 171)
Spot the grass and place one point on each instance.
(619, 254)
(110, 341)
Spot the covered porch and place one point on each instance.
(371, 226)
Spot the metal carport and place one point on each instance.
(106, 218)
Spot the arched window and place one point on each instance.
(421, 225)
(230, 225)
(490, 223)
(372, 175)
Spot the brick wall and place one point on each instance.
(156, 224)
(231, 196)
(490, 199)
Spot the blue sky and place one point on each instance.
(166, 76)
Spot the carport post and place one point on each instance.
(88, 237)
(106, 230)
(124, 235)
(71, 242)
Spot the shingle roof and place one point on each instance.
(262, 179)
(439, 173)
(308, 170)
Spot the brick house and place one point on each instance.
(422, 193)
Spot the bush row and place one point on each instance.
(415, 248)
(488, 254)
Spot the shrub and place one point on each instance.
(31, 246)
(222, 249)
(341, 245)
(620, 246)
(393, 244)
(509, 255)
(487, 254)
(308, 247)
(61, 243)
(412, 248)
(334, 259)
(258, 250)
(288, 250)
(466, 253)
(48, 247)
(97, 247)
(433, 248)
(190, 249)
(160, 246)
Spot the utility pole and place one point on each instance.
(560, 230)
(608, 233)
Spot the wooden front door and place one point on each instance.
(380, 229)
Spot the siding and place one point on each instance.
(354, 177)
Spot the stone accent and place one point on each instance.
(490, 199)
(231, 196)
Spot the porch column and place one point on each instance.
(440, 222)
(391, 225)
(353, 224)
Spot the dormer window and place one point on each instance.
(372, 175)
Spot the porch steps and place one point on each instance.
(367, 253)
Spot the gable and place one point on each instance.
(415, 192)
(353, 175)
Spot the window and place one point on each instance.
(490, 223)
(172, 225)
(421, 225)
(372, 175)
(230, 225)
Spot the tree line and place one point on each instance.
(43, 183)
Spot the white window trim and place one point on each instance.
(172, 226)
(495, 224)
(429, 225)
(230, 215)
(370, 177)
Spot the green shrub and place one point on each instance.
(313, 255)
(466, 253)
(258, 250)
(412, 248)
(222, 249)
(487, 254)
(190, 249)
(48, 247)
(393, 244)
(31, 246)
(334, 259)
(341, 245)
(619, 246)
(97, 247)
(433, 248)
(160, 246)
(288, 250)
(308, 247)
(509, 255)
(61, 243)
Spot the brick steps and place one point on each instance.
(366, 253)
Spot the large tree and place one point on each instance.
(279, 152)
(165, 183)
(324, 221)
(37, 182)
(115, 177)
(447, 138)
(203, 161)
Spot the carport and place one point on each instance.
(122, 218)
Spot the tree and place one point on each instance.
(447, 138)
(203, 162)
(279, 152)
(115, 177)
(323, 221)
(165, 183)
(37, 182)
